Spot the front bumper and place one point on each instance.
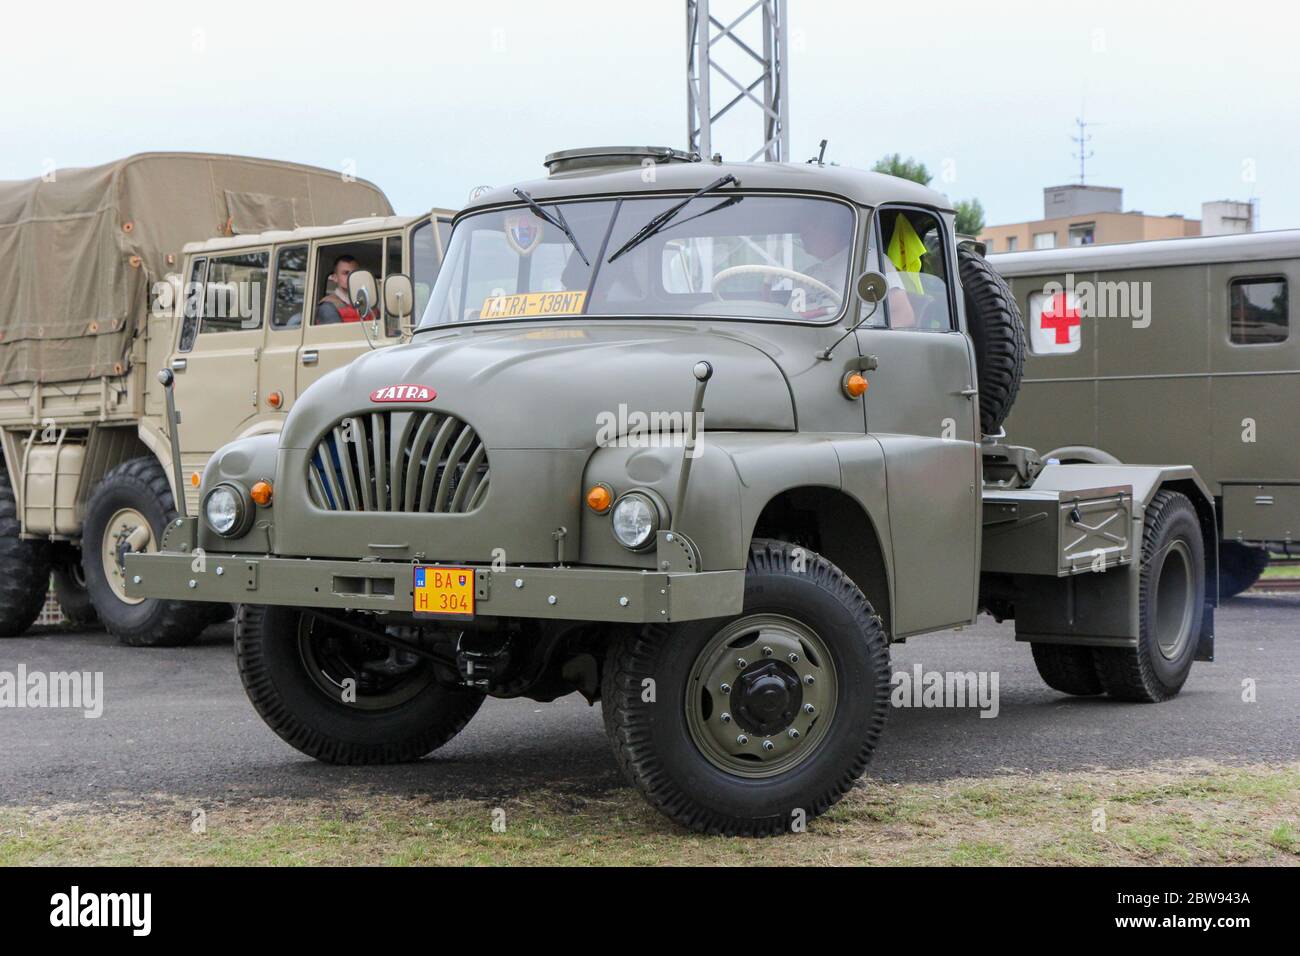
(556, 593)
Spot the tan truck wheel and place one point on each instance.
(754, 724)
(1172, 603)
(340, 696)
(24, 569)
(128, 511)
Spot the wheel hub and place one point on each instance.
(761, 695)
(766, 698)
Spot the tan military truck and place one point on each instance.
(208, 265)
(697, 440)
(1173, 350)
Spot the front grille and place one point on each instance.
(399, 461)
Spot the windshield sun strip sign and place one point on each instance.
(528, 304)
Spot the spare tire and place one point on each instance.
(997, 334)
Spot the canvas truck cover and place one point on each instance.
(81, 248)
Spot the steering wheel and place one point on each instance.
(807, 280)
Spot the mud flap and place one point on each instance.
(1205, 646)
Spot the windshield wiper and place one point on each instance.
(558, 221)
(662, 219)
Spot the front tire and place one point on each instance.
(128, 511)
(1172, 604)
(295, 666)
(700, 754)
(24, 568)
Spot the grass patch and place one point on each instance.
(1186, 814)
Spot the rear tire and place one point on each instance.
(1068, 668)
(70, 591)
(1240, 566)
(1172, 605)
(128, 510)
(682, 749)
(24, 568)
(292, 666)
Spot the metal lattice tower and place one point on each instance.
(709, 41)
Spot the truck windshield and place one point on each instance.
(725, 254)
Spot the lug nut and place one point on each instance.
(724, 717)
(742, 740)
(809, 680)
(794, 658)
(768, 745)
(794, 734)
(809, 709)
(725, 688)
(741, 663)
(767, 652)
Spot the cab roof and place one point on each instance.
(352, 227)
(858, 186)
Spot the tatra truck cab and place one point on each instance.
(699, 441)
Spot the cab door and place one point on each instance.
(922, 407)
(326, 347)
(220, 347)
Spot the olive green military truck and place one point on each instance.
(1177, 349)
(206, 265)
(697, 440)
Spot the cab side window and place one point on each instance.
(392, 266)
(193, 293)
(1258, 310)
(290, 287)
(913, 257)
(235, 293)
(331, 305)
(424, 265)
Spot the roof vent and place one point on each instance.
(607, 157)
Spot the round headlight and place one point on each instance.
(225, 510)
(635, 519)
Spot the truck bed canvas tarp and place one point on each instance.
(81, 248)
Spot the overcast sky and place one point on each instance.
(1192, 101)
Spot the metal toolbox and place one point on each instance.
(1057, 533)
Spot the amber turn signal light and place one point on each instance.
(855, 385)
(599, 498)
(275, 399)
(261, 493)
(194, 479)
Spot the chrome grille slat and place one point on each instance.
(399, 461)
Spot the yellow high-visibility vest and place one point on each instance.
(905, 250)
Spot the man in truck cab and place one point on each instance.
(335, 307)
(825, 243)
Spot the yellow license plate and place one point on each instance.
(530, 304)
(443, 591)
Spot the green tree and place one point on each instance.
(970, 217)
(895, 165)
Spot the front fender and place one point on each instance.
(244, 461)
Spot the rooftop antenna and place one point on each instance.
(819, 159)
(1084, 154)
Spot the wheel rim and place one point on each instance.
(127, 532)
(1175, 594)
(750, 706)
(384, 676)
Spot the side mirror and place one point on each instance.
(872, 286)
(399, 298)
(361, 291)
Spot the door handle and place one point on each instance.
(969, 392)
(310, 357)
(180, 364)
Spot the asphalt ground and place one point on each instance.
(176, 724)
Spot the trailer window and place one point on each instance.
(1258, 310)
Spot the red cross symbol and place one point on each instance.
(1060, 319)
